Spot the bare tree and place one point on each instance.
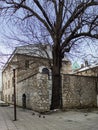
(64, 22)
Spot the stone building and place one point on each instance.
(32, 76)
(91, 70)
(34, 84)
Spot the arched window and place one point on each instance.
(24, 100)
(45, 71)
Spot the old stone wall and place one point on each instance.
(36, 91)
(78, 91)
(24, 71)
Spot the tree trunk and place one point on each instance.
(56, 102)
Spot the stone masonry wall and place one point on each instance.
(36, 91)
(78, 91)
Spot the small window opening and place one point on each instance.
(27, 64)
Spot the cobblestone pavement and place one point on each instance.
(29, 120)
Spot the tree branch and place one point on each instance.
(78, 10)
(44, 13)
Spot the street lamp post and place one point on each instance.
(14, 85)
(14, 67)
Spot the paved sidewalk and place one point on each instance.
(70, 120)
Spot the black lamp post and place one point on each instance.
(14, 86)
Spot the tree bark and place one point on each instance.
(56, 102)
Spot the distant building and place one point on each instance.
(91, 70)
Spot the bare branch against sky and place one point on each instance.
(19, 27)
